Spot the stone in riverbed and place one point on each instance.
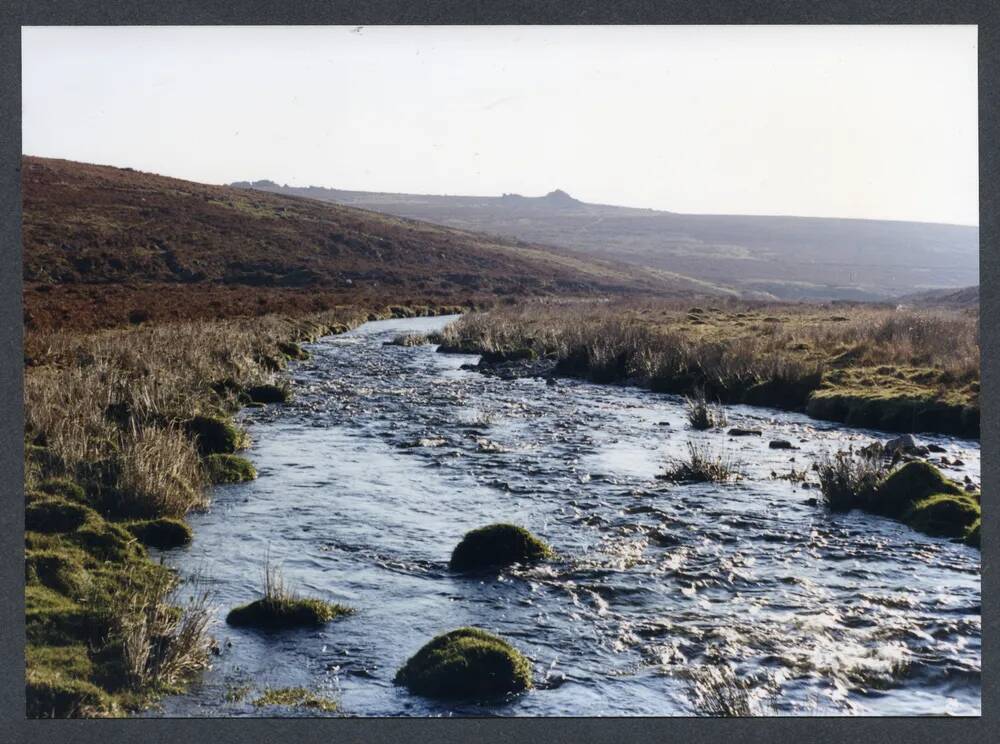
(736, 432)
(781, 444)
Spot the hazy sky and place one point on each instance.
(877, 121)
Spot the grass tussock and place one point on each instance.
(906, 370)
(916, 493)
(703, 415)
(295, 697)
(849, 479)
(280, 607)
(717, 691)
(703, 465)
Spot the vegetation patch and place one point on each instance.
(944, 515)
(905, 370)
(410, 339)
(972, 536)
(916, 494)
(229, 469)
(467, 663)
(497, 545)
(913, 482)
(702, 465)
(269, 393)
(295, 697)
(63, 488)
(293, 351)
(703, 415)
(163, 533)
(214, 435)
(59, 570)
(55, 515)
(280, 608)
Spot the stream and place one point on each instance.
(389, 454)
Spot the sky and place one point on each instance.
(831, 121)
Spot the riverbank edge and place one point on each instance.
(63, 634)
(802, 395)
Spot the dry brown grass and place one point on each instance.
(867, 365)
(119, 398)
(163, 642)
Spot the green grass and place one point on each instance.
(295, 697)
(224, 468)
(163, 533)
(467, 663)
(279, 614)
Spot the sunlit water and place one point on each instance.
(389, 454)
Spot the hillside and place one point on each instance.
(792, 258)
(955, 298)
(103, 244)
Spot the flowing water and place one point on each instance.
(389, 454)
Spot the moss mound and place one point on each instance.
(214, 435)
(297, 697)
(944, 515)
(163, 533)
(275, 614)
(293, 351)
(108, 542)
(60, 570)
(972, 536)
(913, 482)
(64, 488)
(269, 394)
(52, 694)
(54, 619)
(55, 515)
(466, 663)
(497, 545)
(229, 469)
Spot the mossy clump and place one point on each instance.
(55, 515)
(297, 697)
(497, 545)
(229, 469)
(214, 435)
(293, 351)
(943, 515)
(913, 482)
(63, 488)
(106, 541)
(60, 570)
(51, 693)
(466, 663)
(52, 618)
(972, 536)
(285, 612)
(269, 394)
(163, 533)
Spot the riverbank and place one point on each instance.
(877, 367)
(125, 430)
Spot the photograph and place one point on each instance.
(475, 371)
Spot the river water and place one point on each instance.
(389, 454)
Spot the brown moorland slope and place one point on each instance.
(104, 244)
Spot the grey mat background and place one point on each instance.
(13, 725)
